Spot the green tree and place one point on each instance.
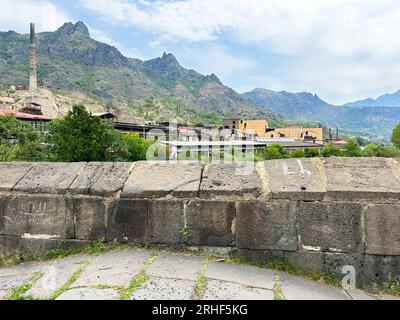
(136, 147)
(330, 150)
(396, 136)
(19, 141)
(311, 152)
(370, 150)
(275, 151)
(298, 153)
(81, 136)
(352, 149)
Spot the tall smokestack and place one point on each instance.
(32, 62)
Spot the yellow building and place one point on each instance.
(256, 127)
(297, 133)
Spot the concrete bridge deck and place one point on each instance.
(138, 274)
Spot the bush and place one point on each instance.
(275, 151)
(330, 150)
(396, 136)
(311, 152)
(352, 149)
(298, 154)
(136, 147)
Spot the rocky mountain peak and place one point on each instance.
(69, 28)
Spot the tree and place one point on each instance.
(298, 154)
(352, 149)
(275, 151)
(396, 136)
(330, 150)
(370, 150)
(311, 152)
(136, 147)
(81, 136)
(19, 141)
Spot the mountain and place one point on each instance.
(386, 100)
(372, 122)
(71, 62)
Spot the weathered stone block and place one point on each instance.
(266, 225)
(54, 177)
(90, 216)
(11, 173)
(231, 180)
(127, 221)
(33, 248)
(154, 179)
(13, 222)
(50, 217)
(101, 178)
(312, 261)
(334, 227)
(211, 223)
(382, 226)
(368, 178)
(296, 179)
(165, 222)
(10, 246)
(340, 264)
(262, 257)
(379, 269)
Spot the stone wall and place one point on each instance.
(320, 214)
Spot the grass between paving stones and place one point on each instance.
(201, 282)
(18, 292)
(126, 293)
(278, 294)
(70, 281)
(324, 277)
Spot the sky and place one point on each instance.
(341, 50)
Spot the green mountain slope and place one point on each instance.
(372, 122)
(71, 61)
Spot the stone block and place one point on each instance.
(50, 217)
(53, 178)
(10, 246)
(266, 225)
(220, 290)
(296, 179)
(127, 221)
(82, 294)
(311, 261)
(11, 173)
(338, 264)
(334, 226)
(231, 180)
(382, 229)
(165, 289)
(90, 216)
(101, 178)
(262, 257)
(248, 276)
(211, 223)
(379, 269)
(366, 178)
(32, 248)
(154, 179)
(166, 222)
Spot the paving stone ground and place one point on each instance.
(139, 274)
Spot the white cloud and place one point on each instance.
(341, 49)
(16, 15)
(217, 59)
